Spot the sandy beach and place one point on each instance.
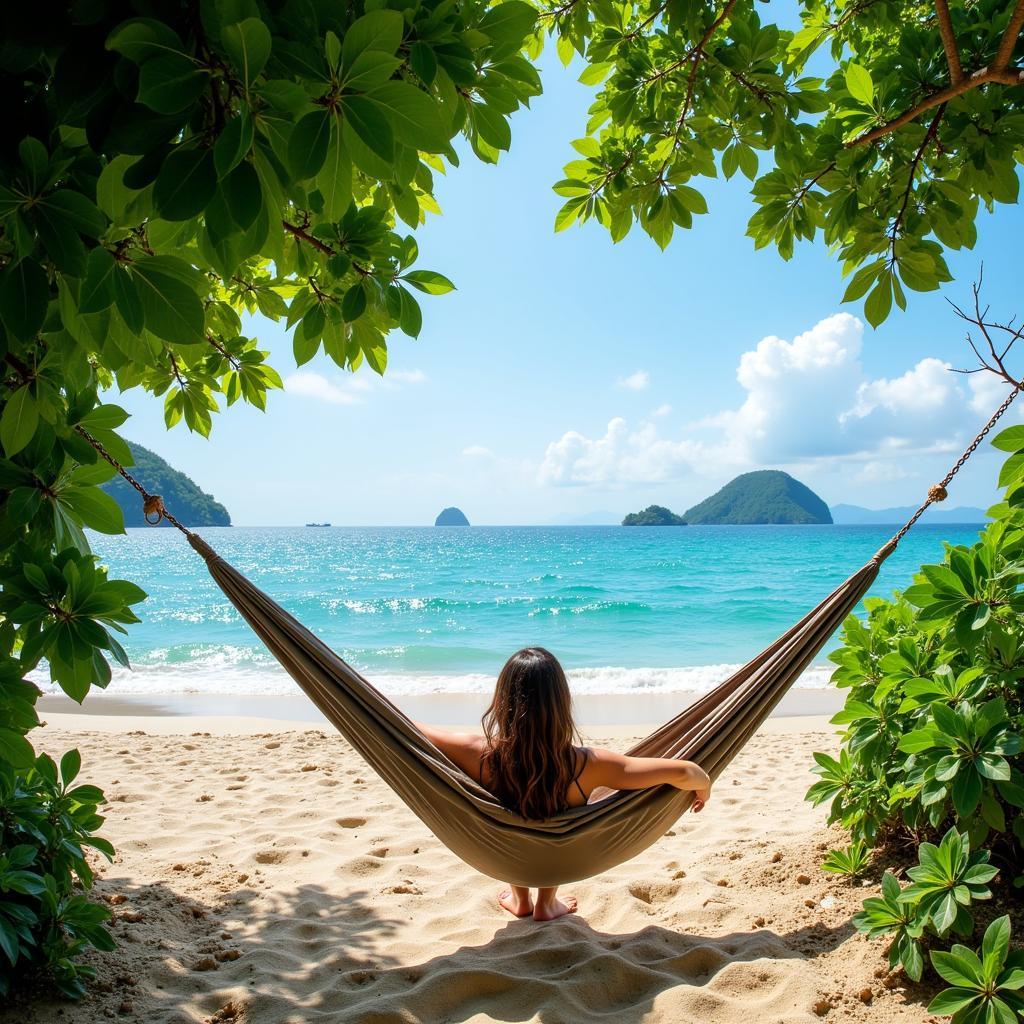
(265, 875)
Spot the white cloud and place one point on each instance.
(317, 386)
(639, 381)
(662, 410)
(348, 388)
(405, 376)
(477, 451)
(622, 456)
(809, 405)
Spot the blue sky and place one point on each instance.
(569, 376)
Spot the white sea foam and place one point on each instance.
(223, 674)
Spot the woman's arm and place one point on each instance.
(464, 748)
(619, 771)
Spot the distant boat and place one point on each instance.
(318, 524)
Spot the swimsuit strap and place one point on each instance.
(576, 781)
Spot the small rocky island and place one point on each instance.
(654, 515)
(451, 517)
(183, 498)
(766, 496)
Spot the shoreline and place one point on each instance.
(461, 710)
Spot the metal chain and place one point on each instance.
(937, 492)
(153, 507)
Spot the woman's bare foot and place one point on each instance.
(553, 908)
(516, 901)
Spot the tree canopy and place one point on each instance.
(882, 126)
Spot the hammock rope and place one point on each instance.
(580, 841)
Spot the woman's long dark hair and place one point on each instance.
(530, 734)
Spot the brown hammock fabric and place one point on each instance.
(582, 841)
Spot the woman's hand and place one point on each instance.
(700, 798)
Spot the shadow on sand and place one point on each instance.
(273, 957)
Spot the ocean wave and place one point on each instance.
(231, 675)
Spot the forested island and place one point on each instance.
(654, 515)
(185, 499)
(765, 496)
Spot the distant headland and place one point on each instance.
(451, 517)
(191, 505)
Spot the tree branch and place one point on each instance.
(928, 136)
(956, 72)
(1009, 40)
(659, 10)
(995, 362)
(299, 231)
(799, 197)
(695, 52)
(1004, 76)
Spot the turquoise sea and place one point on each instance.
(426, 609)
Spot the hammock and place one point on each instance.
(582, 841)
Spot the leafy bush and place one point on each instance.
(851, 861)
(46, 919)
(986, 988)
(933, 733)
(948, 879)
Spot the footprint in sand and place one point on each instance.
(271, 746)
(271, 856)
(351, 822)
(652, 892)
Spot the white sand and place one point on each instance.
(265, 875)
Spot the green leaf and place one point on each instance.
(170, 83)
(247, 44)
(951, 1000)
(410, 315)
(996, 943)
(334, 179)
(70, 766)
(353, 305)
(492, 126)
(19, 421)
(423, 62)
(127, 300)
(371, 125)
(377, 30)
(97, 291)
(966, 792)
(307, 146)
(24, 296)
(1010, 440)
(173, 310)
(879, 302)
(509, 22)
(414, 117)
(186, 183)
(233, 143)
(95, 508)
(243, 194)
(429, 281)
(142, 38)
(859, 84)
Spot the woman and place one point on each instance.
(529, 758)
